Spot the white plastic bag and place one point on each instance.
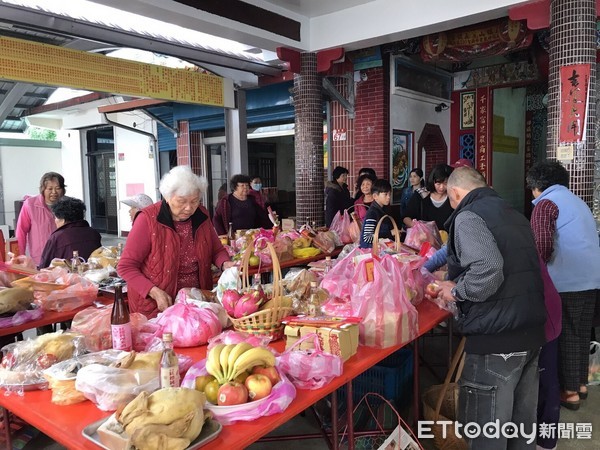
(109, 387)
(229, 279)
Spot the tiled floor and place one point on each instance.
(435, 352)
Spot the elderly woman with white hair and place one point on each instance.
(171, 245)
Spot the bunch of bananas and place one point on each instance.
(226, 362)
(302, 242)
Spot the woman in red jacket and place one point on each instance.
(171, 246)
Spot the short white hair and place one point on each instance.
(180, 180)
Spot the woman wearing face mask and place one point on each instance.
(256, 192)
(36, 221)
(172, 245)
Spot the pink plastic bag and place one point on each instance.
(310, 369)
(94, 325)
(21, 317)
(277, 401)
(338, 281)
(81, 292)
(235, 337)
(337, 307)
(341, 224)
(422, 232)
(190, 325)
(389, 319)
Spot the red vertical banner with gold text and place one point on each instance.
(483, 130)
(574, 89)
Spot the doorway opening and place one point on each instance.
(103, 180)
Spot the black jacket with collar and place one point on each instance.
(513, 318)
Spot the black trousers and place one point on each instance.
(574, 341)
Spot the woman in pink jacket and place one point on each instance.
(36, 221)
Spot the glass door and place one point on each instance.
(217, 170)
(103, 180)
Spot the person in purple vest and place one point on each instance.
(73, 233)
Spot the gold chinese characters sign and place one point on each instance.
(37, 63)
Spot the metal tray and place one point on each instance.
(210, 431)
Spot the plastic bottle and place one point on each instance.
(169, 365)
(314, 304)
(76, 266)
(120, 324)
(328, 265)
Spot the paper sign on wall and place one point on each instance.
(564, 153)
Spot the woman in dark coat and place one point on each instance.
(337, 195)
(73, 232)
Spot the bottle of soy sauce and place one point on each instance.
(120, 324)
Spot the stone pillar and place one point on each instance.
(308, 105)
(573, 41)
(236, 136)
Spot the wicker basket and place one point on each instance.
(396, 233)
(440, 402)
(266, 322)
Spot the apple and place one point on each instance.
(254, 261)
(270, 372)
(232, 393)
(432, 290)
(259, 386)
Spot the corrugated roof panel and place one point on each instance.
(125, 21)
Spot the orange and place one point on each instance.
(202, 381)
(211, 390)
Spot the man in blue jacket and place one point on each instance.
(496, 284)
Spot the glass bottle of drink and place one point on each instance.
(120, 325)
(256, 281)
(328, 264)
(230, 233)
(76, 266)
(314, 304)
(119, 249)
(169, 365)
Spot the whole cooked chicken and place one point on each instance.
(168, 419)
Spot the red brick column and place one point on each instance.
(183, 144)
(367, 141)
(371, 126)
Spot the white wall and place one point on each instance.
(508, 169)
(71, 159)
(137, 167)
(22, 168)
(411, 111)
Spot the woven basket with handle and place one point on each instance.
(440, 402)
(266, 322)
(396, 234)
